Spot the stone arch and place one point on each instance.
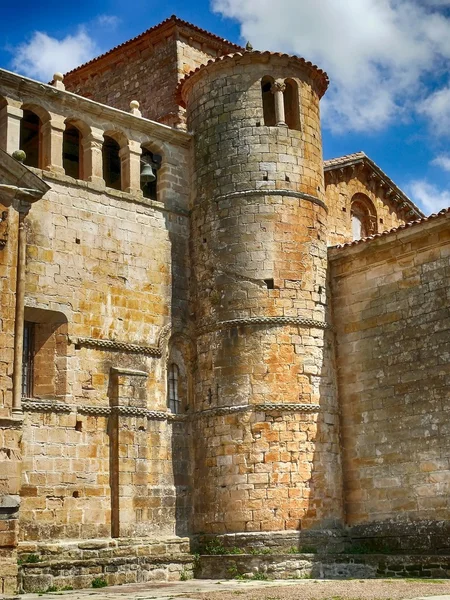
(113, 144)
(268, 101)
(31, 134)
(291, 97)
(363, 216)
(74, 134)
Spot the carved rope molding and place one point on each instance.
(113, 345)
(269, 321)
(272, 192)
(159, 415)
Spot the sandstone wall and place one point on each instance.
(149, 72)
(101, 265)
(266, 457)
(391, 314)
(339, 194)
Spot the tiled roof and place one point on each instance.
(319, 73)
(438, 215)
(343, 160)
(360, 157)
(172, 19)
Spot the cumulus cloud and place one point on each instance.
(43, 55)
(443, 161)
(428, 196)
(379, 54)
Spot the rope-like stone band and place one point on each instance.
(226, 410)
(117, 346)
(269, 192)
(269, 321)
(159, 415)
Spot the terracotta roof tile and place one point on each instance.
(322, 75)
(173, 19)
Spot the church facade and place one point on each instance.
(207, 331)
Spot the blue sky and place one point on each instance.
(388, 61)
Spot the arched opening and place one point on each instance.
(150, 166)
(111, 163)
(31, 138)
(268, 100)
(363, 217)
(292, 104)
(72, 155)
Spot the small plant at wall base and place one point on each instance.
(99, 582)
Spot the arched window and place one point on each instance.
(31, 138)
(173, 399)
(292, 104)
(150, 165)
(268, 100)
(111, 163)
(364, 217)
(71, 152)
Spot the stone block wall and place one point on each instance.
(341, 189)
(148, 70)
(266, 453)
(392, 319)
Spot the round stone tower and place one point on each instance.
(265, 423)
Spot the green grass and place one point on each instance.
(99, 582)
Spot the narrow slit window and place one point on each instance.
(174, 402)
(28, 360)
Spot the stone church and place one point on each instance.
(209, 334)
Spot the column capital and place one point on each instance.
(278, 86)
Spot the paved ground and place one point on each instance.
(308, 589)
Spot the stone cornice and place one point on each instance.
(13, 85)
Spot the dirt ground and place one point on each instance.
(364, 589)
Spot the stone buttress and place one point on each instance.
(266, 445)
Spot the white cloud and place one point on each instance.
(428, 196)
(437, 108)
(379, 53)
(443, 161)
(43, 55)
(108, 21)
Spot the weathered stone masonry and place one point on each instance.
(198, 361)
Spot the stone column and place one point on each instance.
(277, 90)
(92, 145)
(24, 208)
(52, 143)
(10, 117)
(130, 157)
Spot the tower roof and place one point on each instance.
(221, 43)
(315, 72)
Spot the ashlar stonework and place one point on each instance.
(207, 331)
